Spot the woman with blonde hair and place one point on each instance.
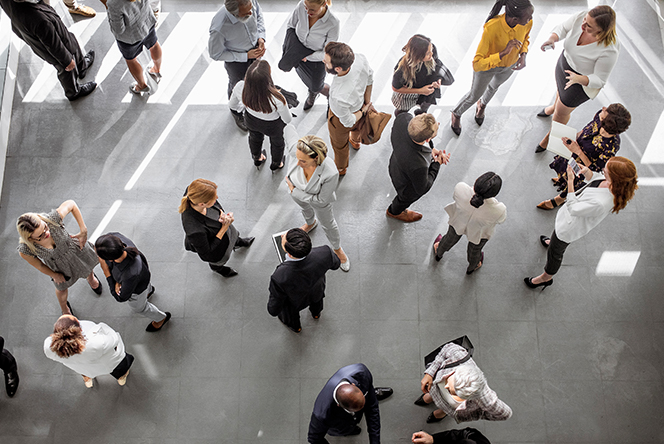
(606, 193)
(312, 181)
(46, 245)
(591, 52)
(208, 230)
(89, 349)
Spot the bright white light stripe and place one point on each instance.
(463, 77)
(105, 220)
(535, 84)
(211, 87)
(143, 356)
(383, 27)
(155, 148)
(654, 152)
(651, 181)
(642, 54)
(274, 21)
(617, 263)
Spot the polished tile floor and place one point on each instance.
(578, 363)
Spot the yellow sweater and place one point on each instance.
(494, 39)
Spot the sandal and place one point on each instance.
(135, 90)
(543, 205)
(156, 76)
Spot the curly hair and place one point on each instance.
(623, 177)
(67, 338)
(617, 119)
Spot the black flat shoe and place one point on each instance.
(543, 113)
(259, 163)
(83, 90)
(151, 328)
(98, 289)
(11, 383)
(420, 401)
(276, 167)
(244, 242)
(383, 392)
(540, 149)
(543, 240)
(225, 271)
(478, 265)
(431, 419)
(435, 255)
(529, 283)
(456, 129)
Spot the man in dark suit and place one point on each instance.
(465, 436)
(8, 366)
(41, 28)
(339, 407)
(414, 165)
(299, 282)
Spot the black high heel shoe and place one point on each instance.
(543, 240)
(529, 283)
(259, 163)
(277, 167)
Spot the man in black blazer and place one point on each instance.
(414, 163)
(299, 282)
(339, 407)
(465, 436)
(41, 28)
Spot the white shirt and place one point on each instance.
(594, 60)
(235, 103)
(347, 92)
(326, 29)
(476, 223)
(580, 214)
(103, 351)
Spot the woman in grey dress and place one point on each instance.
(46, 245)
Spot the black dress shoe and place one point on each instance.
(356, 431)
(225, 271)
(383, 392)
(89, 60)
(98, 289)
(84, 90)
(151, 328)
(420, 401)
(540, 149)
(431, 419)
(11, 382)
(259, 163)
(244, 242)
(239, 120)
(274, 167)
(309, 103)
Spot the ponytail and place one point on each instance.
(486, 186)
(67, 338)
(513, 8)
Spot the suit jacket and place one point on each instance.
(296, 284)
(455, 436)
(476, 223)
(38, 25)
(201, 235)
(328, 415)
(411, 168)
(320, 190)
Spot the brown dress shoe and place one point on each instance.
(405, 216)
(83, 10)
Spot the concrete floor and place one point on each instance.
(578, 363)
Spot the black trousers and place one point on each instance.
(404, 198)
(236, 72)
(7, 361)
(291, 316)
(473, 254)
(312, 75)
(554, 254)
(123, 367)
(258, 129)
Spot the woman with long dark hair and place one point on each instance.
(591, 52)
(418, 75)
(266, 113)
(475, 212)
(606, 193)
(501, 51)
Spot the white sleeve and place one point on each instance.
(235, 102)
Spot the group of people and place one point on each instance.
(596, 183)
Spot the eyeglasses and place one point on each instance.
(41, 236)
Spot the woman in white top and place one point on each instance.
(89, 349)
(315, 26)
(475, 212)
(265, 113)
(591, 52)
(312, 182)
(585, 209)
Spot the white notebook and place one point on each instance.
(556, 145)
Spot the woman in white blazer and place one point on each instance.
(475, 212)
(312, 181)
(591, 52)
(89, 349)
(605, 193)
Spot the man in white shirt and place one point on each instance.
(350, 98)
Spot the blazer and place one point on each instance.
(476, 223)
(486, 406)
(103, 351)
(320, 190)
(201, 235)
(293, 51)
(130, 22)
(297, 284)
(328, 415)
(457, 436)
(581, 213)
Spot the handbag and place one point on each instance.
(463, 341)
(446, 77)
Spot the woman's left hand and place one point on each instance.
(291, 187)
(81, 237)
(571, 145)
(572, 78)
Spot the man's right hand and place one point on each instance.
(422, 438)
(256, 53)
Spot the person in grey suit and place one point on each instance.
(299, 282)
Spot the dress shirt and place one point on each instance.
(130, 22)
(583, 212)
(326, 29)
(281, 111)
(476, 223)
(347, 92)
(497, 33)
(231, 39)
(103, 351)
(595, 60)
(132, 274)
(321, 187)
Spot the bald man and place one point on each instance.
(339, 407)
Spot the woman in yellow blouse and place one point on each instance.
(501, 51)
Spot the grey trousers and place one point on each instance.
(485, 84)
(474, 250)
(139, 303)
(325, 217)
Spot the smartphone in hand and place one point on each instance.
(575, 166)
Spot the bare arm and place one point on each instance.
(69, 206)
(43, 268)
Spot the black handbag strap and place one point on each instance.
(457, 363)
